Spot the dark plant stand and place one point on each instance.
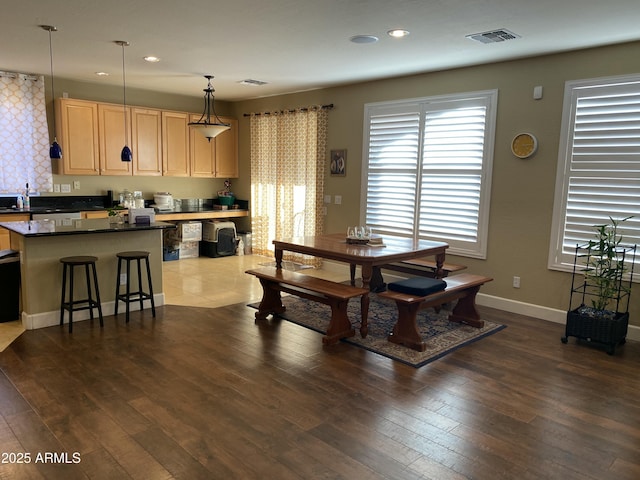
(605, 332)
(602, 328)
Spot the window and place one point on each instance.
(598, 164)
(428, 169)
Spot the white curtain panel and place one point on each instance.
(24, 134)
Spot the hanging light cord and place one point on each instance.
(124, 96)
(53, 95)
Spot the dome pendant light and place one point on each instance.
(204, 125)
(126, 155)
(55, 152)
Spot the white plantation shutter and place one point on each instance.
(599, 164)
(428, 169)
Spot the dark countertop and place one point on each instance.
(42, 228)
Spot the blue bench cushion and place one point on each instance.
(418, 286)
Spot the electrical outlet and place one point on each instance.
(337, 199)
(65, 188)
(327, 199)
(76, 184)
(56, 188)
(324, 210)
(123, 279)
(516, 282)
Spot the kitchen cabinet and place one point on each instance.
(217, 158)
(175, 144)
(77, 132)
(112, 128)
(146, 141)
(92, 135)
(5, 240)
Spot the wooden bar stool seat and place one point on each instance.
(89, 303)
(139, 295)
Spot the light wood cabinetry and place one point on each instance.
(146, 141)
(175, 144)
(5, 237)
(95, 214)
(218, 157)
(92, 135)
(112, 128)
(77, 125)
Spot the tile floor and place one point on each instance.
(204, 282)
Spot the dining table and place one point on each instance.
(369, 256)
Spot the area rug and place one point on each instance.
(440, 335)
(287, 265)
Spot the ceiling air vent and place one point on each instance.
(253, 83)
(494, 36)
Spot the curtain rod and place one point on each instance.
(304, 109)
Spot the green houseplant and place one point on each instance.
(602, 276)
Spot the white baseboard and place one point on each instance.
(49, 319)
(505, 304)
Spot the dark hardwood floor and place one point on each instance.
(208, 394)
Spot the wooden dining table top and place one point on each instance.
(334, 246)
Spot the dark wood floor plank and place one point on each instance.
(210, 393)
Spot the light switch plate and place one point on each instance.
(65, 188)
(337, 199)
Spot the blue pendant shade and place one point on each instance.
(126, 155)
(55, 152)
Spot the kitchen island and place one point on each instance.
(42, 243)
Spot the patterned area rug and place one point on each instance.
(440, 335)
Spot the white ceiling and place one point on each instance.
(294, 45)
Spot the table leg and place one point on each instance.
(364, 316)
(279, 253)
(439, 263)
(352, 273)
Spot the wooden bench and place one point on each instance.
(462, 287)
(336, 295)
(423, 267)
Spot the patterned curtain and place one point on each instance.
(287, 178)
(24, 134)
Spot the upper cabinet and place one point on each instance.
(218, 157)
(77, 125)
(92, 135)
(227, 150)
(115, 131)
(146, 143)
(175, 144)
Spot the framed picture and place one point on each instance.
(338, 162)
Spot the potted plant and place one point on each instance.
(601, 284)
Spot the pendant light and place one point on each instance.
(55, 152)
(205, 126)
(126, 155)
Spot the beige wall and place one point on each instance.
(522, 190)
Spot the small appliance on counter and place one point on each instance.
(162, 201)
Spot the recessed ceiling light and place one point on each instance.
(102, 74)
(398, 33)
(364, 39)
(152, 59)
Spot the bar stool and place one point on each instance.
(69, 263)
(139, 295)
